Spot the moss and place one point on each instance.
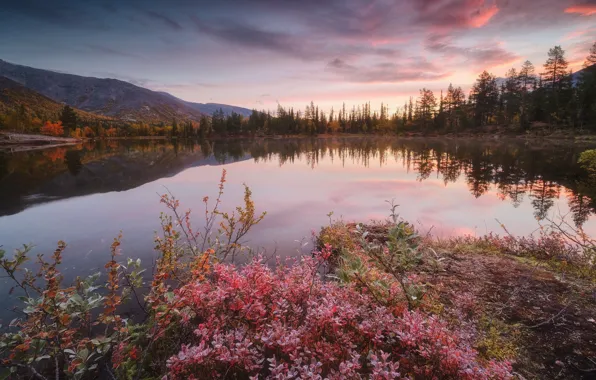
(339, 237)
(499, 341)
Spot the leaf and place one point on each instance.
(70, 352)
(38, 359)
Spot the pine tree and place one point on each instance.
(511, 95)
(68, 118)
(527, 76)
(591, 58)
(527, 80)
(485, 96)
(174, 128)
(555, 67)
(427, 105)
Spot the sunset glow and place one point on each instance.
(258, 54)
(584, 9)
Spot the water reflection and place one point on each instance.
(538, 173)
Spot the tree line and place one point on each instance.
(524, 98)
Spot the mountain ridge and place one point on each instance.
(107, 96)
(14, 94)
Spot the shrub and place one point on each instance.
(288, 323)
(52, 129)
(204, 317)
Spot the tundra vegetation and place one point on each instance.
(374, 300)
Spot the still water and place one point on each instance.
(86, 194)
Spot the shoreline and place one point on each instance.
(16, 142)
(20, 142)
(500, 306)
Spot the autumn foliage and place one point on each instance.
(112, 132)
(203, 317)
(288, 323)
(52, 129)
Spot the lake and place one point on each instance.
(86, 194)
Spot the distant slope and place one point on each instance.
(209, 108)
(13, 95)
(575, 78)
(109, 97)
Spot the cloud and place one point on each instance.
(340, 64)
(165, 20)
(65, 14)
(481, 17)
(412, 69)
(456, 14)
(481, 57)
(109, 51)
(247, 36)
(587, 9)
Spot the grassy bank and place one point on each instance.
(370, 301)
(525, 300)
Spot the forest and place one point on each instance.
(528, 97)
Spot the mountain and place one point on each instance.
(209, 108)
(109, 97)
(575, 78)
(14, 95)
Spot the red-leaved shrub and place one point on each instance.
(287, 322)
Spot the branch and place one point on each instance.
(551, 319)
(33, 371)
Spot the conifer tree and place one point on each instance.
(68, 118)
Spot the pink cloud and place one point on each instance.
(445, 16)
(582, 9)
(575, 34)
(481, 57)
(482, 16)
(387, 41)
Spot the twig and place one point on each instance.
(504, 228)
(109, 371)
(584, 370)
(33, 371)
(57, 367)
(551, 319)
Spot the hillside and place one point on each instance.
(209, 108)
(13, 95)
(108, 97)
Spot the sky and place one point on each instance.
(261, 53)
